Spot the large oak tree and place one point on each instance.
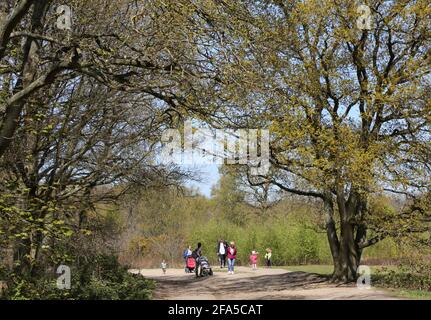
(348, 108)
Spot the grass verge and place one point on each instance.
(327, 270)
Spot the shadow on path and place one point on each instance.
(222, 285)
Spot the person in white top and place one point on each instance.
(221, 252)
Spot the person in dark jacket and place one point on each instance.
(197, 253)
(222, 252)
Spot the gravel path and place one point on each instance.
(276, 284)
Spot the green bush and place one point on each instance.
(289, 237)
(412, 274)
(100, 278)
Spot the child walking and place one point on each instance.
(163, 265)
(268, 256)
(253, 259)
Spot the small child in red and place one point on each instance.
(253, 259)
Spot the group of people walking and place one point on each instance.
(229, 252)
(197, 256)
(226, 253)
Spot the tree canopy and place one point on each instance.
(347, 104)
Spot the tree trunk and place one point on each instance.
(346, 264)
(331, 229)
(21, 257)
(345, 251)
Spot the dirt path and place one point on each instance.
(248, 284)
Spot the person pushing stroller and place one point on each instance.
(196, 254)
(203, 267)
(190, 262)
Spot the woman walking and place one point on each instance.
(196, 254)
(221, 252)
(231, 256)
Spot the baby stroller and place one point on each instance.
(190, 264)
(205, 267)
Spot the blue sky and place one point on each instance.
(209, 175)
